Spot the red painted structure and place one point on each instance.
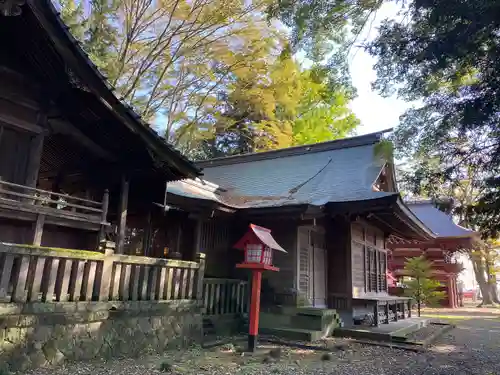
(449, 239)
(258, 245)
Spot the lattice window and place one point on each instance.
(372, 270)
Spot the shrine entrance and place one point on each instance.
(312, 266)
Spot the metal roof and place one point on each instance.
(336, 171)
(438, 221)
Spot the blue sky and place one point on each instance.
(375, 112)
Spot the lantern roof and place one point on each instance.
(262, 235)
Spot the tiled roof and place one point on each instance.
(337, 171)
(438, 221)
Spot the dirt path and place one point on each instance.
(473, 348)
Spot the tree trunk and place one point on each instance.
(492, 279)
(418, 308)
(480, 274)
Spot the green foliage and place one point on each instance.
(215, 77)
(325, 29)
(446, 54)
(421, 287)
(385, 150)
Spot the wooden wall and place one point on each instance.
(216, 240)
(18, 126)
(364, 236)
(338, 239)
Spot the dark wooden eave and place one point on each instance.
(387, 212)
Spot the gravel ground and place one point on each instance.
(473, 348)
(424, 332)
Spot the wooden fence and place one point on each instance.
(47, 275)
(225, 296)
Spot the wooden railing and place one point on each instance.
(24, 195)
(225, 296)
(56, 275)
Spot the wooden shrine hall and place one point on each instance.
(450, 238)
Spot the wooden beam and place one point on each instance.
(37, 237)
(122, 212)
(63, 127)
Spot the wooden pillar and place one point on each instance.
(197, 236)
(122, 214)
(38, 231)
(449, 292)
(35, 156)
(104, 215)
(200, 258)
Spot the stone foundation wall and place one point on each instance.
(41, 334)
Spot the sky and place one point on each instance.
(375, 112)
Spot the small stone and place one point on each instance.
(38, 345)
(326, 357)
(166, 367)
(341, 347)
(275, 353)
(267, 359)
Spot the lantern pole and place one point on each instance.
(254, 310)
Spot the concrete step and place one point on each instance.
(293, 333)
(325, 324)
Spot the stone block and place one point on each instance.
(42, 333)
(37, 358)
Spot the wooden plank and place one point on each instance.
(125, 294)
(51, 286)
(37, 280)
(234, 306)
(184, 283)
(152, 284)
(76, 293)
(106, 275)
(238, 298)
(64, 292)
(177, 283)
(122, 212)
(145, 281)
(206, 296)
(20, 278)
(38, 233)
(135, 282)
(222, 301)
(170, 280)
(191, 284)
(217, 298)
(211, 299)
(8, 261)
(115, 293)
(89, 291)
(161, 285)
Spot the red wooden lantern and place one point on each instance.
(258, 244)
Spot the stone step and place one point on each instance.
(293, 333)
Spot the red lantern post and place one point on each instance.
(258, 244)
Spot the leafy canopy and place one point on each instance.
(213, 75)
(446, 53)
